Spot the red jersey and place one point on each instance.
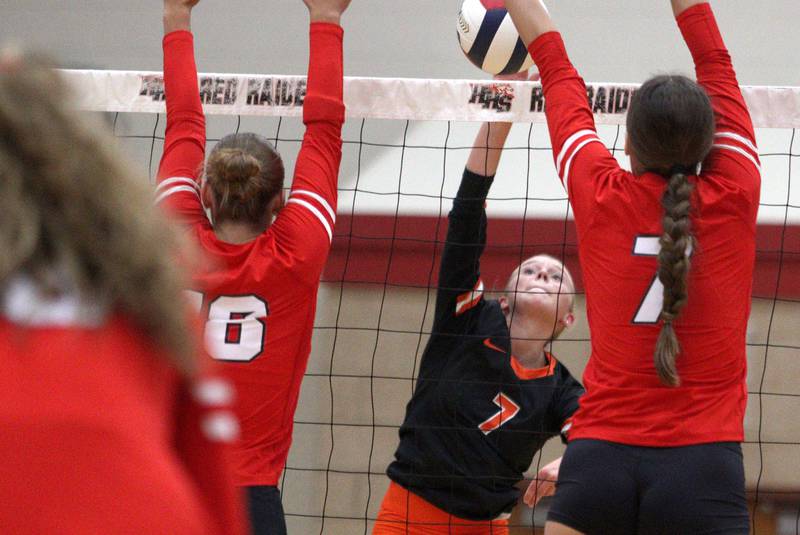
(101, 435)
(618, 219)
(260, 297)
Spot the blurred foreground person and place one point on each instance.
(106, 425)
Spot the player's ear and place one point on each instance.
(568, 319)
(207, 196)
(627, 145)
(277, 203)
(505, 306)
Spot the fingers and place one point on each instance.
(543, 485)
(519, 76)
(537, 490)
(523, 76)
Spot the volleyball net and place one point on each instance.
(405, 145)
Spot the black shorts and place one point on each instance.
(266, 511)
(608, 488)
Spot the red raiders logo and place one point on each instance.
(508, 409)
(496, 96)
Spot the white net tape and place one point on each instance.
(393, 98)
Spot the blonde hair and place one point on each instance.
(70, 202)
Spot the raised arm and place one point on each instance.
(735, 155)
(679, 6)
(460, 287)
(487, 148)
(569, 118)
(185, 137)
(531, 18)
(304, 229)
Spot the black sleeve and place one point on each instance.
(460, 288)
(564, 404)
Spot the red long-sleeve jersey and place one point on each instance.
(260, 297)
(618, 219)
(101, 435)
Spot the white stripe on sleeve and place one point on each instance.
(186, 181)
(311, 208)
(741, 139)
(565, 176)
(568, 143)
(740, 151)
(176, 189)
(319, 198)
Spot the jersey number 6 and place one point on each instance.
(650, 308)
(236, 326)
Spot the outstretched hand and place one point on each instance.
(530, 17)
(543, 485)
(180, 3)
(178, 14)
(522, 76)
(326, 10)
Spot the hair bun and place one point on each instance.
(235, 165)
(245, 173)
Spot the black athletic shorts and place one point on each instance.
(605, 488)
(266, 511)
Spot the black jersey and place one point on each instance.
(476, 418)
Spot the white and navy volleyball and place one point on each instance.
(489, 39)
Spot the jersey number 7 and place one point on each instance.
(650, 308)
(236, 326)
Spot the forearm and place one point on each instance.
(184, 143)
(567, 108)
(488, 148)
(324, 95)
(317, 165)
(714, 68)
(531, 18)
(679, 6)
(177, 18)
(323, 15)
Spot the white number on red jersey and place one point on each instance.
(650, 309)
(236, 327)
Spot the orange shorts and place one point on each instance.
(404, 513)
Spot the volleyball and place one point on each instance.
(489, 39)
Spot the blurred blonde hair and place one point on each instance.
(69, 202)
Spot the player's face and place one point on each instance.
(541, 282)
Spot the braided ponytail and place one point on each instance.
(671, 121)
(673, 271)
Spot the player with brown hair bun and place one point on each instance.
(489, 393)
(106, 424)
(667, 253)
(259, 293)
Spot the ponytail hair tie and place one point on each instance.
(680, 169)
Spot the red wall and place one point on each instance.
(400, 251)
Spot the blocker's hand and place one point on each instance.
(180, 3)
(178, 15)
(543, 485)
(326, 10)
(522, 76)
